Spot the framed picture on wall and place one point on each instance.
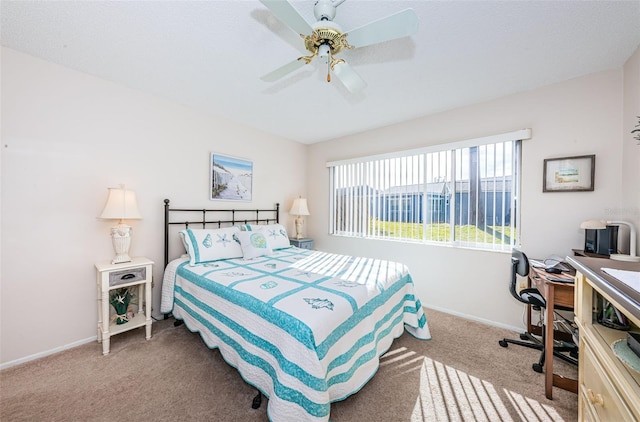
(230, 178)
(569, 174)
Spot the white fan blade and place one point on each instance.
(284, 11)
(398, 25)
(349, 78)
(284, 70)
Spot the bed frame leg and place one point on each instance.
(178, 322)
(257, 401)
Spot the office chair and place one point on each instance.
(533, 297)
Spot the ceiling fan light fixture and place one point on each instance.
(324, 53)
(326, 38)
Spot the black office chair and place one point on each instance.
(533, 297)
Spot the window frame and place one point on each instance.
(451, 150)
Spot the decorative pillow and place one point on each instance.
(205, 245)
(276, 234)
(182, 235)
(253, 244)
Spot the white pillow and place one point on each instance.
(182, 234)
(276, 234)
(253, 244)
(205, 245)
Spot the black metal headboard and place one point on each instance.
(227, 217)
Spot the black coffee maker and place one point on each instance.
(601, 241)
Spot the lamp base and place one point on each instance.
(299, 223)
(119, 259)
(121, 238)
(627, 258)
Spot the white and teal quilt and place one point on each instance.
(304, 327)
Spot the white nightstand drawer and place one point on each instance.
(304, 243)
(131, 275)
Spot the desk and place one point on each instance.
(555, 293)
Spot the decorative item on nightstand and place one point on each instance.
(299, 208)
(120, 299)
(121, 205)
(602, 224)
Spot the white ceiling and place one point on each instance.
(210, 55)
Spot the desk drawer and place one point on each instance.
(600, 396)
(130, 275)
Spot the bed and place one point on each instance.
(305, 327)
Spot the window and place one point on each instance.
(464, 194)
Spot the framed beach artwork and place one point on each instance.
(569, 174)
(230, 178)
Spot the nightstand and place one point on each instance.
(305, 243)
(137, 273)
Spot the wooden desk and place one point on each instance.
(556, 294)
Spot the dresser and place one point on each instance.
(608, 389)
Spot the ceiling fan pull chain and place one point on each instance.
(329, 67)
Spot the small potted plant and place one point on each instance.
(120, 299)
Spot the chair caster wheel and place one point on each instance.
(523, 336)
(537, 367)
(503, 343)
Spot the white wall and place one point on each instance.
(581, 116)
(66, 137)
(629, 209)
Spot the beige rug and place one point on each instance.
(462, 374)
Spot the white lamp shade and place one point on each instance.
(121, 205)
(299, 207)
(593, 225)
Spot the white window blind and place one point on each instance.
(465, 194)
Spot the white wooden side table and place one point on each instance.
(137, 273)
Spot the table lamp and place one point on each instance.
(299, 208)
(121, 205)
(602, 224)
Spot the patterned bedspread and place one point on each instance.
(304, 327)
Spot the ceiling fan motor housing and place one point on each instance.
(326, 33)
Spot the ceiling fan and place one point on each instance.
(325, 39)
